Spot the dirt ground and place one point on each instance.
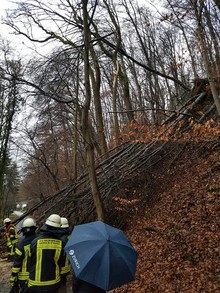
(5, 272)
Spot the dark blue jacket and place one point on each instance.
(47, 259)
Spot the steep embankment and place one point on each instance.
(171, 213)
(175, 226)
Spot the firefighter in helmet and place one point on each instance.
(20, 269)
(47, 258)
(12, 238)
(65, 233)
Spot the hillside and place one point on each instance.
(171, 212)
(174, 224)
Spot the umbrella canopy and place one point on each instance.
(101, 255)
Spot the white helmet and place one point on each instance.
(28, 226)
(64, 223)
(29, 222)
(54, 220)
(7, 220)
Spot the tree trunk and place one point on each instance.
(97, 102)
(85, 125)
(126, 91)
(205, 56)
(114, 104)
(217, 3)
(75, 131)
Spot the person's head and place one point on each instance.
(7, 221)
(64, 223)
(28, 226)
(54, 221)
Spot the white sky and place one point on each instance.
(15, 42)
(21, 45)
(4, 4)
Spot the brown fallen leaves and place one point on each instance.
(178, 236)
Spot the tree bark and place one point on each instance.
(114, 103)
(205, 56)
(217, 3)
(96, 81)
(85, 125)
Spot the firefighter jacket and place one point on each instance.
(20, 268)
(12, 238)
(47, 259)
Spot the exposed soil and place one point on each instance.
(5, 272)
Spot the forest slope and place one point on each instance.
(170, 210)
(175, 224)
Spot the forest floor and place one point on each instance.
(174, 224)
(5, 272)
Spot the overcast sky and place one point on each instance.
(21, 44)
(15, 42)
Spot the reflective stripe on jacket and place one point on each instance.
(12, 239)
(22, 257)
(47, 259)
(11, 234)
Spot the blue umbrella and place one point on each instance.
(101, 255)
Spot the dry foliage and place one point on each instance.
(176, 229)
(181, 131)
(171, 207)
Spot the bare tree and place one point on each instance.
(204, 52)
(85, 119)
(205, 29)
(10, 100)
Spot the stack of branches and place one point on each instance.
(124, 164)
(200, 106)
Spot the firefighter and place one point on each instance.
(65, 231)
(12, 238)
(47, 258)
(20, 269)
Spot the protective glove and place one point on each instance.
(13, 279)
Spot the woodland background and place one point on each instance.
(111, 111)
(170, 212)
(98, 75)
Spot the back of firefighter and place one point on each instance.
(47, 258)
(20, 269)
(65, 232)
(11, 237)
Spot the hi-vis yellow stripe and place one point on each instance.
(56, 257)
(38, 265)
(23, 276)
(46, 244)
(15, 270)
(24, 272)
(42, 283)
(18, 252)
(49, 243)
